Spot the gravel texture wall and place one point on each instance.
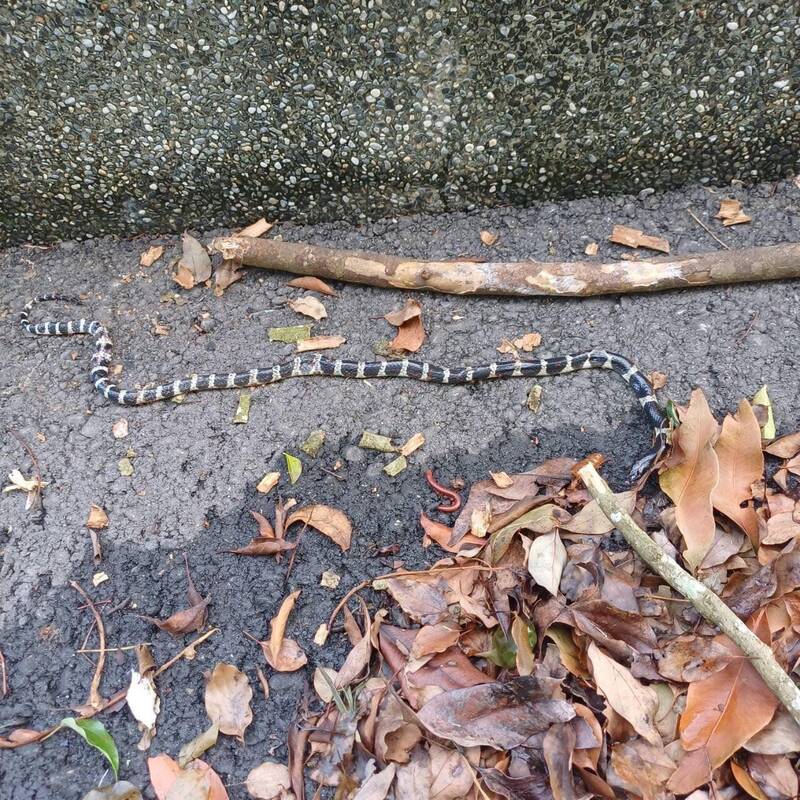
(129, 115)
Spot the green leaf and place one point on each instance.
(95, 733)
(503, 651)
(762, 399)
(294, 467)
(672, 414)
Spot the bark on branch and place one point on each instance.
(700, 596)
(523, 278)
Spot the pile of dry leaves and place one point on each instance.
(541, 660)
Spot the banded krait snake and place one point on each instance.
(303, 366)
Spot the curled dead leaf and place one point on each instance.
(329, 521)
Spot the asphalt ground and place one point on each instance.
(194, 471)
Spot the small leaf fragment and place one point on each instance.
(329, 579)
(631, 237)
(313, 443)
(502, 479)
(256, 229)
(309, 306)
(125, 466)
(312, 284)
(98, 519)
(761, 398)
(396, 466)
(374, 441)
(294, 467)
(414, 443)
(94, 732)
(151, 255)
(242, 409)
(119, 430)
(289, 334)
(534, 399)
(591, 249)
(489, 238)
(194, 265)
(98, 578)
(731, 213)
(320, 343)
(268, 482)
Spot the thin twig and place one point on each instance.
(166, 665)
(95, 699)
(706, 228)
(3, 676)
(112, 649)
(710, 606)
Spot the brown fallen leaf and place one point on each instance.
(282, 654)
(431, 639)
(441, 534)
(312, 284)
(227, 700)
(98, 519)
(423, 601)
(691, 482)
(269, 781)
(309, 306)
(731, 213)
(591, 520)
(557, 748)
(722, 712)
(194, 265)
(641, 769)
(376, 787)
(692, 658)
(408, 321)
(775, 773)
(264, 547)
(320, 343)
(255, 229)
(196, 782)
(413, 444)
(489, 238)
(329, 521)
(395, 735)
(741, 463)
(190, 619)
(151, 255)
(785, 446)
(631, 237)
(546, 559)
(499, 715)
(632, 700)
(226, 274)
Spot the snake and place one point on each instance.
(317, 364)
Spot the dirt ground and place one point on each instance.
(195, 472)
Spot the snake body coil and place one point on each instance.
(306, 366)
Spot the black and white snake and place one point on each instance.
(304, 366)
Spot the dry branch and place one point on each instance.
(701, 597)
(524, 278)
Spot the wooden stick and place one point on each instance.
(523, 278)
(703, 599)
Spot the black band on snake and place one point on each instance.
(306, 366)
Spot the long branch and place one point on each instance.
(524, 278)
(703, 599)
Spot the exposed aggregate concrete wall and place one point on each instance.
(130, 115)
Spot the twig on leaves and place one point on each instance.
(95, 700)
(703, 599)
